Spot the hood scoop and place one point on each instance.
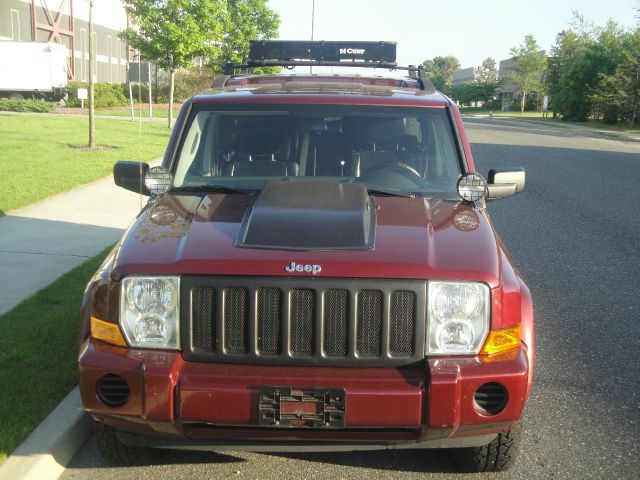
(310, 216)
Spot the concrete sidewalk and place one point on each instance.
(41, 242)
(37, 245)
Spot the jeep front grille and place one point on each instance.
(303, 321)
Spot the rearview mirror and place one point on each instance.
(505, 182)
(130, 176)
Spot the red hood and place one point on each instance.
(415, 238)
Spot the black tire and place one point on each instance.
(497, 456)
(117, 453)
(16, 96)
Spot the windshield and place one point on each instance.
(393, 149)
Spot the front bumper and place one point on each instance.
(178, 404)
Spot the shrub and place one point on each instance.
(110, 95)
(28, 105)
(106, 94)
(190, 82)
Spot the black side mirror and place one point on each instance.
(130, 175)
(505, 182)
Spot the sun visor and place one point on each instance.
(310, 216)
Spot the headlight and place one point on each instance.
(150, 312)
(457, 317)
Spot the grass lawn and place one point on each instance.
(42, 155)
(38, 354)
(618, 127)
(137, 112)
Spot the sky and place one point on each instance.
(471, 30)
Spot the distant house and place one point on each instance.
(66, 22)
(467, 75)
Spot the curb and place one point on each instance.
(51, 446)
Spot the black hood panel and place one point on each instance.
(310, 216)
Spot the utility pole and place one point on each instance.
(313, 17)
(92, 56)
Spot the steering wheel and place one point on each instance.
(403, 168)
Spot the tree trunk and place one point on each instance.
(522, 101)
(92, 56)
(172, 75)
(634, 103)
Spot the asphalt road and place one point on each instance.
(575, 234)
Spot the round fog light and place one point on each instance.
(472, 187)
(158, 180)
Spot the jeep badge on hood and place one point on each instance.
(297, 267)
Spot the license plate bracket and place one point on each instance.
(301, 407)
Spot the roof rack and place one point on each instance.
(291, 53)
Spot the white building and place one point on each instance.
(66, 22)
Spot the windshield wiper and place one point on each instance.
(215, 189)
(383, 192)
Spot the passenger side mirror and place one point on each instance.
(130, 175)
(505, 182)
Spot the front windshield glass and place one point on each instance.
(395, 149)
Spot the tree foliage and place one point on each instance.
(529, 66)
(171, 33)
(440, 70)
(618, 94)
(489, 70)
(582, 64)
(482, 91)
(245, 20)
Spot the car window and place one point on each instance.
(406, 149)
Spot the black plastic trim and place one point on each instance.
(318, 284)
(130, 176)
(112, 390)
(180, 443)
(309, 216)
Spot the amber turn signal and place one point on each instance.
(107, 332)
(501, 340)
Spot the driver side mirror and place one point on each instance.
(130, 176)
(505, 182)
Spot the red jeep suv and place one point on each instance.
(315, 270)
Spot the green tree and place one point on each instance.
(172, 33)
(474, 92)
(565, 51)
(245, 20)
(628, 79)
(441, 69)
(581, 89)
(619, 93)
(489, 70)
(528, 71)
